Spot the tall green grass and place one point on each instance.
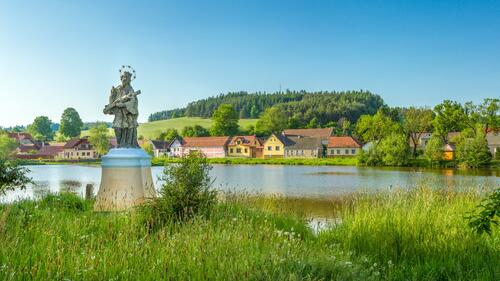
(401, 235)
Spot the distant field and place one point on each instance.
(153, 129)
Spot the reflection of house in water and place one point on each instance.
(71, 186)
(40, 189)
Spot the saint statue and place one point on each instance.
(123, 105)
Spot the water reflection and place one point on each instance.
(298, 181)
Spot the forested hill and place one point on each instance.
(324, 106)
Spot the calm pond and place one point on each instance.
(297, 181)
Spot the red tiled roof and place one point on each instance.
(246, 140)
(51, 150)
(322, 133)
(20, 136)
(205, 141)
(349, 142)
(75, 142)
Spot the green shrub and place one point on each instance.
(12, 176)
(64, 201)
(487, 214)
(186, 192)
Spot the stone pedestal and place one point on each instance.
(126, 180)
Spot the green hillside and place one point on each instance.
(153, 129)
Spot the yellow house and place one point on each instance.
(448, 152)
(274, 146)
(244, 146)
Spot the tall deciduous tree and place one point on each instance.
(41, 129)
(416, 122)
(7, 146)
(169, 135)
(375, 127)
(434, 150)
(473, 152)
(225, 121)
(489, 114)
(195, 131)
(394, 149)
(273, 120)
(99, 138)
(450, 117)
(71, 123)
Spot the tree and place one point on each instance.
(375, 127)
(7, 146)
(225, 121)
(450, 117)
(346, 126)
(434, 149)
(99, 138)
(169, 135)
(71, 123)
(473, 152)
(273, 120)
(41, 128)
(489, 114)
(394, 150)
(313, 123)
(12, 176)
(195, 131)
(416, 122)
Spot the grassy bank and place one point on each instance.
(271, 161)
(415, 235)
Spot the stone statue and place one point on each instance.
(123, 105)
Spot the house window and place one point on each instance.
(353, 151)
(338, 151)
(238, 150)
(347, 151)
(302, 152)
(231, 150)
(277, 148)
(246, 150)
(269, 148)
(238, 142)
(332, 151)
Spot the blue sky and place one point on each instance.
(56, 54)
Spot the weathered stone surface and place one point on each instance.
(126, 180)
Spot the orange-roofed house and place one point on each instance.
(245, 146)
(343, 146)
(448, 152)
(210, 147)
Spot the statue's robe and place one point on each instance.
(125, 121)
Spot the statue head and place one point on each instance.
(127, 74)
(126, 77)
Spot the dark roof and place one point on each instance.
(205, 141)
(299, 142)
(75, 142)
(342, 142)
(322, 133)
(159, 144)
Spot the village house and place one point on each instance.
(210, 147)
(448, 152)
(493, 139)
(245, 146)
(343, 146)
(78, 149)
(25, 143)
(422, 141)
(303, 147)
(321, 133)
(274, 146)
(52, 151)
(160, 148)
(176, 148)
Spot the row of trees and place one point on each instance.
(391, 134)
(71, 125)
(303, 106)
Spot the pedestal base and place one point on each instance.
(126, 180)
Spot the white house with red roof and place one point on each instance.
(343, 146)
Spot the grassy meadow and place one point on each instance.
(419, 234)
(154, 129)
